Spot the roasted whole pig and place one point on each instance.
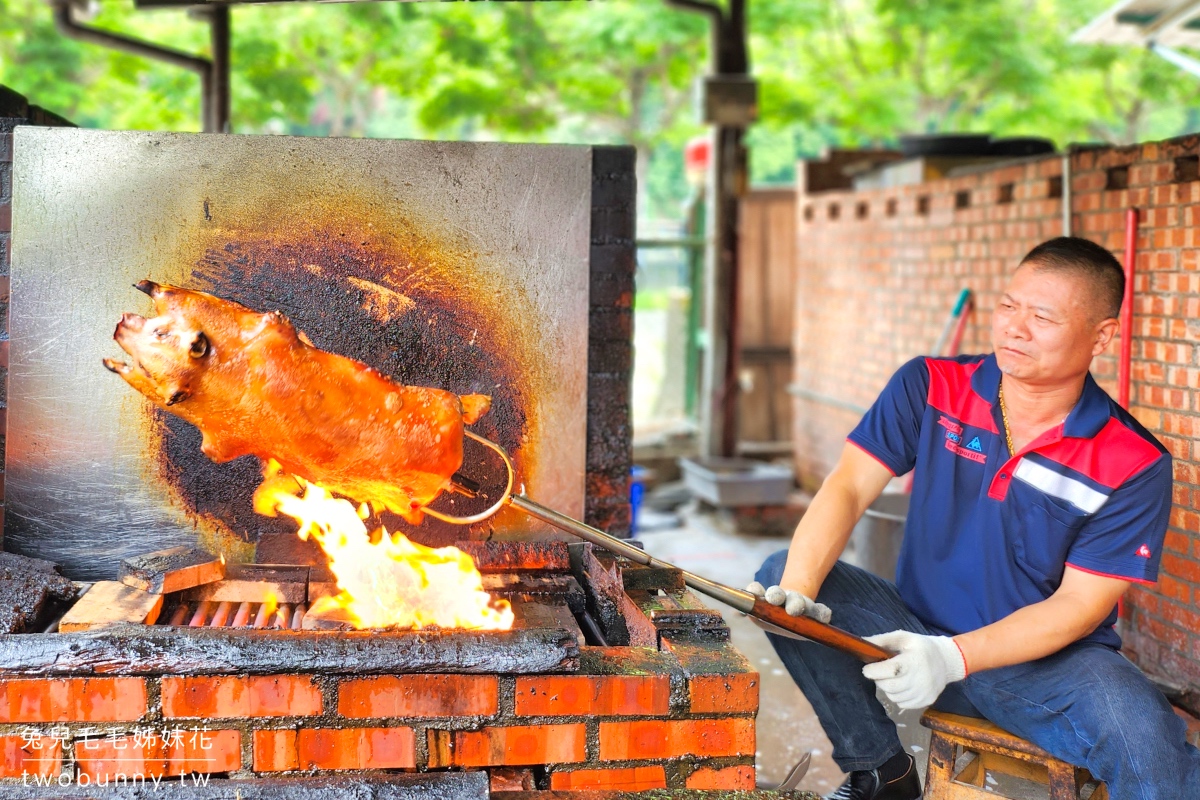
(254, 385)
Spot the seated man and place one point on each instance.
(1036, 502)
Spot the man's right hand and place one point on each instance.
(794, 603)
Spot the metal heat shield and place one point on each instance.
(457, 265)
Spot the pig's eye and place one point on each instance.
(199, 348)
(161, 333)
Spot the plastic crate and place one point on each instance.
(730, 482)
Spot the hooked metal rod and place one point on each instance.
(738, 599)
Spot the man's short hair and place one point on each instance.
(1090, 261)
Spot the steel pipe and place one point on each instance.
(214, 74)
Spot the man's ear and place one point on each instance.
(1105, 331)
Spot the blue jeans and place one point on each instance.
(1086, 704)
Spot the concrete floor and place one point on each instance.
(787, 727)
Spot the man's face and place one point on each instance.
(1047, 326)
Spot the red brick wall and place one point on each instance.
(878, 276)
(633, 718)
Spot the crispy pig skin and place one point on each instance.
(254, 385)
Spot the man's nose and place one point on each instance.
(1017, 326)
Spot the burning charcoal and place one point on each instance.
(109, 603)
(518, 556)
(28, 587)
(21, 602)
(10, 562)
(15, 567)
(172, 570)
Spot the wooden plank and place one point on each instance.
(546, 612)
(328, 619)
(640, 578)
(1025, 770)
(751, 284)
(125, 649)
(109, 603)
(529, 583)
(600, 577)
(321, 583)
(642, 631)
(970, 731)
(754, 415)
(780, 269)
(253, 583)
(780, 375)
(171, 570)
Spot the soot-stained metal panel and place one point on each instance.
(457, 265)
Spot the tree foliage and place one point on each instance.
(831, 72)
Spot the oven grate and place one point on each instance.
(229, 614)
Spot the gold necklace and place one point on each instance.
(1004, 417)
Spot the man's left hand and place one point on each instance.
(920, 670)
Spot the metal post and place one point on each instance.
(218, 91)
(721, 362)
(696, 221)
(726, 183)
(214, 78)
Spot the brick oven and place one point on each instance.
(664, 702)
(614, 676)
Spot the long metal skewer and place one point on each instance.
(770, 617)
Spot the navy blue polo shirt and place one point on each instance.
(988, 534)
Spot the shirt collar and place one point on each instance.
(1086, 419)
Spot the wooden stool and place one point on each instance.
(998, 751)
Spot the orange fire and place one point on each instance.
(390, 582)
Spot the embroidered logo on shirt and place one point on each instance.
(950, 425)
(1143, 551)
(973, 451)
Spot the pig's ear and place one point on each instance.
(160, 293)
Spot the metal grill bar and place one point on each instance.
(208, 614)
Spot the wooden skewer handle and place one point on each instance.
(809, 628)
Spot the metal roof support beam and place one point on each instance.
(1170, 20)
(1184, 62)
(214, 74)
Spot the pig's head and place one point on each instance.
(170, 353)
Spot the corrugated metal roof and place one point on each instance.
(1174, 23)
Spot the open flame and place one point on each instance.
(385, 579)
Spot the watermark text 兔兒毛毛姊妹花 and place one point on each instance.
(116, 757)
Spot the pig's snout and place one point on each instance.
(129, 322)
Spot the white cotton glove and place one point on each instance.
(919, 671)
(794, 603)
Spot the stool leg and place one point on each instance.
(940, 772)
(1063, 782)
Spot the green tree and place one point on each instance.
(858, 72)
(831, 72)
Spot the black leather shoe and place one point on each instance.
(866, 784)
